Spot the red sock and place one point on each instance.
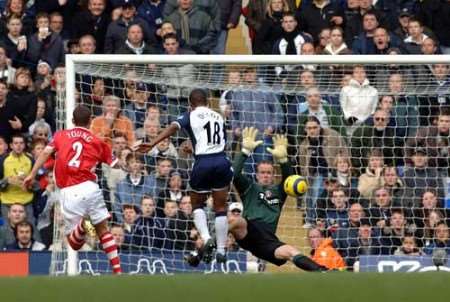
(76, 238)
(110, 248)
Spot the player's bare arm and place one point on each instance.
(43, 157)
(167, 132)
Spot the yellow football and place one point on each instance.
(295, 185)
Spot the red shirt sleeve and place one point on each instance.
(107, 156)
(55, 141)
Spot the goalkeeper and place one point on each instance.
(263, 201)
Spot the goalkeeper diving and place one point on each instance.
(254, 229)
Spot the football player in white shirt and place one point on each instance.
(212, 172)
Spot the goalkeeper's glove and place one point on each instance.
(249, 142)
(279, 151)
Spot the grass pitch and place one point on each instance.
(331, 287)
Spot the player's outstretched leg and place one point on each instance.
(221, 223)
(290, 253)
(76, 238)
(108, 245)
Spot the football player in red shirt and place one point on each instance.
(78, 152)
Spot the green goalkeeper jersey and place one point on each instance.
(262, 203)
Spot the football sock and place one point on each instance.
(305, 263)
(201, 224)
(110, 248)
(221, 224)
(77, 236)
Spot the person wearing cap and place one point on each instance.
(254, 229)
(151, 11)
(116, 33)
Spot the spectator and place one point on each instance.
(271, 29)
(369, 136)
(151, 11)
(3, 143)
(134, 43)
(150, 131)
(87, 44)
(363, 43)
(401, 197)
(403, 20)
(429, 47)
(435, 139)
(393, 232)
(22, 95)
(57, 26)
(323, 252)
(24, 238)
(14, 215)
(252, 106)
(316, 156)
(94, 100)
(291, 39)
(135, 185)
(165, 148)
(441, 239)
(112, 119)
(171, 45)
(186, 205)
(7, 72)
(420, 176)
(130, 214)
(211, 7)
(318, 15)
(336, 45)
(148, 229)
(352, 25)
(179, 78)
(429, 223)
(345, 174)
(415, 37)
(93, 21)
(324, 40)
(161, 174)
(441, 24)
(197, 28)
(230, 11)
(177, 228)
(45, 45)
(18, 9)
(365, 241)
(337, 216)
(116, 34)
(328, 117)
(173, 191)
(14, 42)
(371, 179)
(435, 82)
(384, 43)
(8, 114)
(409, 247)
(13, 169)
(256, 14)
(358, 100)
(393, 9)
(120, 237)
(137, 108)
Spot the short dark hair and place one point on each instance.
(17, 135)
(170, 36)
(23, 224)
(198, 96)
(263, 162)
(81, 116)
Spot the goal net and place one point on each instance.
(369, 134)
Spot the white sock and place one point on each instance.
(221, 224)
(201, 224)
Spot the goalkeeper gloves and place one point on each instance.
(249, 142)
(279, 151)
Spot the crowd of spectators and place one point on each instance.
(373, 141)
